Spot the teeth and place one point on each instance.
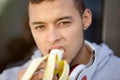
(55, 57)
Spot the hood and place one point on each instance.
(102, 54)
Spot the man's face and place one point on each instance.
(57, 25)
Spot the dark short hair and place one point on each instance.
(79, 4)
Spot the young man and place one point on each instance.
(59, 24)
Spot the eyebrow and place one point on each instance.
(61, 18)
(64, 17)
(37, 22)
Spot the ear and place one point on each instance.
(87, 18)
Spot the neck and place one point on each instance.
(83, 56)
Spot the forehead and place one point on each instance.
(47, 9)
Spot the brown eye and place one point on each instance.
(40, 27)
(64, 24)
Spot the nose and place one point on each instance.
(53, 35)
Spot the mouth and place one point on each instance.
(55, 47)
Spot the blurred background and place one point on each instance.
(16, 42)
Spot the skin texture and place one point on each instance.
(58, 25)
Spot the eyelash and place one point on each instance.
(40, 27)
(64, 24)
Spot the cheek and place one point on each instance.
(39, 40)
(75, 34)
(74, 41)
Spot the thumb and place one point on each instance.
(21, 73)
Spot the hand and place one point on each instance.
(38, 75)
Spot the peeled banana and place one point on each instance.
(55, 57)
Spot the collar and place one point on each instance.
(85, 72)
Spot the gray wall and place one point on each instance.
(111, 25)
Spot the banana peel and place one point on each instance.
(55, 57)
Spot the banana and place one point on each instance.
(55, 57)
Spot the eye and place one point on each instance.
(64, 24)
(40, 27)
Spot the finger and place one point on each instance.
(21, 73)
(37, 76)
(42, 65)
(55, 78)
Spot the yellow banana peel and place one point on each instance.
(55, 57)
